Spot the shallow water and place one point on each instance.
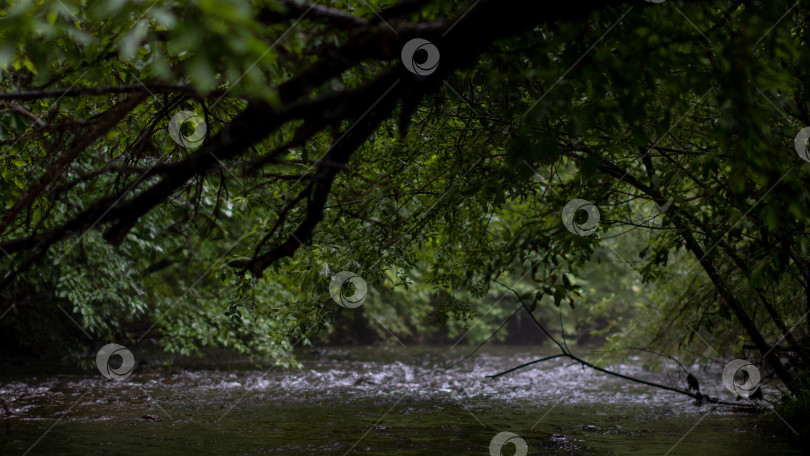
(374, 401)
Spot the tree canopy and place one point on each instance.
(199, 171)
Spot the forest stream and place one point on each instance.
(375, 401)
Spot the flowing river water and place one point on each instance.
(375, 401)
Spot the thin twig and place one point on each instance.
(151, 88)
(525, 365)
(698, 396)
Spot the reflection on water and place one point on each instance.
(373, 401)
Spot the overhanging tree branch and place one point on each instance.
(462, 39)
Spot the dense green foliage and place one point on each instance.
(677, 120)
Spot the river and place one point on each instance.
(374, 401)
